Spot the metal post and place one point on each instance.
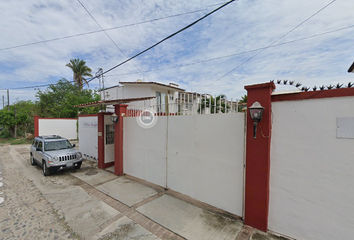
(200, 103)
(226, 110)
(225, 104)
(15, 122)
(188, 103)
(8, 99)
(209, 104)
(220, 104)
(99, 75)
(167, 110)
(214, 104)
(231, 104)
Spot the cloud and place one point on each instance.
(239, 27)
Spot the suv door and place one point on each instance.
(39, 154)
(33, 147)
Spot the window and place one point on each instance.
(109, 134)
(57, 145)
(160, 102)
(40, 145)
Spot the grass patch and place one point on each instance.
(14, 141)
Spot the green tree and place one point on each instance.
(80, 70)
(21, 114)
(243, 102)
(58, 100)
(243, 99)
(214, 104)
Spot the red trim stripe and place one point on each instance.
(341, 92)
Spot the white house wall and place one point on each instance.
(311, 170)
(137, 91)
(56, 126)
(88, 137)
(113, 93)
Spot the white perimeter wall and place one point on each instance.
(64, 127)
(200, 156)
(311, 170)
(88, 140)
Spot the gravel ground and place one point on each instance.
(25, 213)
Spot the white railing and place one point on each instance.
(185, 104)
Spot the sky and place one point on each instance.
(246, 42)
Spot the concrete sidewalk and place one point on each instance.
(96, 204)
(155, 213)
(150, 210)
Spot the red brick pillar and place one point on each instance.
(120, 110)
(258, 158)
(100, 136)
(36, 126)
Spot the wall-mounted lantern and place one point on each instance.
(114, 119)
(256, 113)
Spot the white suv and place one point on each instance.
(54, 153)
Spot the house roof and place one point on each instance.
(153, 83)
(112, 102)
(196, 93)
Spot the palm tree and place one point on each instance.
(243, 99)
(80, 70)
(242, 103)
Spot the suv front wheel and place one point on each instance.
(46, 171)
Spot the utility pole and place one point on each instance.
(99, 75)
(8, 99)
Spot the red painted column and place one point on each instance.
(100, 136)
(258, 159)
(120, 110)
(36, 126)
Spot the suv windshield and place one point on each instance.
(57, 145)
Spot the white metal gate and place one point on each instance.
(199, 155)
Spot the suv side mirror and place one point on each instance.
(74, 145)
(39, 149)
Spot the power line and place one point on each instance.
(211, 59)
(37, 86)
(235, 54)
(110, 37)
(107, 29)
(147, 49)
(168, 37)
(262, 50)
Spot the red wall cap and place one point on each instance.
(261, 85)
(341, 92)
(122, 105)
(59, 118)
(89, 115)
